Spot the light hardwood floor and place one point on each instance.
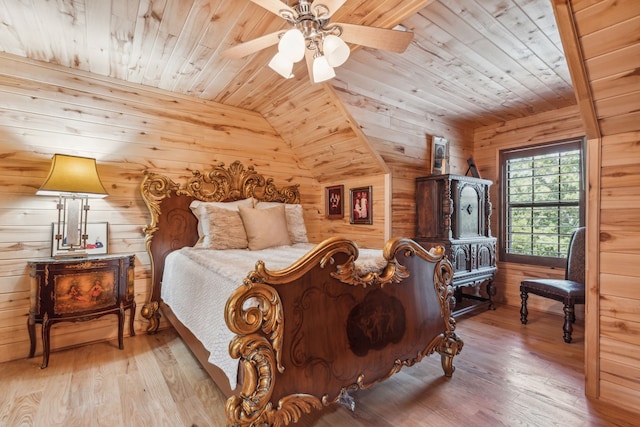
(507, 374)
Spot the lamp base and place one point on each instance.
(71, 254)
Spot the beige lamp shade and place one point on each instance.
(72, 175)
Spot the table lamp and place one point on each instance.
(74, 180)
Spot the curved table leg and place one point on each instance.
(31, 327)
(46, 329)
(132, 315)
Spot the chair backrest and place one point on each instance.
(575, 259)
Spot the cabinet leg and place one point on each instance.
(491, 292)
(132, 315)
(46, 330)
(121, 328)
(31, 327)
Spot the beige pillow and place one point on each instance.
(265, 228)
(219, 224)
(295, 220)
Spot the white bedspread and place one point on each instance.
(197, 283)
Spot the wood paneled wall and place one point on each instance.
(45, 109)
(398, 132)
(618, 349)
(610, 53)
(489, 140)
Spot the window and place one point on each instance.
(542, 202)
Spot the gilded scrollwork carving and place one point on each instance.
(449, 343)
(235, 183)
(260, 358)
(322, 254)
(289, 410)
(393, 272)
(87, 264)
(258, 364)
(150, 312)
(266, 316)
(217, 184)
(154, 189)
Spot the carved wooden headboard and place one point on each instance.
(174, 226)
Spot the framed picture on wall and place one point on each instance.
(439, 155)
(361, 205)
(334, 201)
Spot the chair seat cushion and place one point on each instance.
(557, 287)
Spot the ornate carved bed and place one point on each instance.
(317, 329)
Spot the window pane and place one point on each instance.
(542, 200)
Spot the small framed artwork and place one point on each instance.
(97, 238)
(361, 205)
(334, 201)
(439, 155)
(472, 168)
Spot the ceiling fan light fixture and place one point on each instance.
(313, 36)
(292, 45)
(336, 50)
(322, 71)
(282, 65)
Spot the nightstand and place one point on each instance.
(79, 289)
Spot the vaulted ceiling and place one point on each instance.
(475, 62)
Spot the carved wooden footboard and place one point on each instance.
(321, 329)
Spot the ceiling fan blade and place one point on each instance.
(378, 38)
(273, 6)
(332, 5)
(252, 46)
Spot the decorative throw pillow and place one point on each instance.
(224, 229)
(295, 220)
(265, 228)
(219, 224)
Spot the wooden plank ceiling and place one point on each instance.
(472, 62)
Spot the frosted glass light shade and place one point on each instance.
(281, 65)
(292, 45)
(322, 70)
(72, 175)
(336, 50)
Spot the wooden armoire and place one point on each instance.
(454, 211)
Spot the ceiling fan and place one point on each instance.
(314, 38)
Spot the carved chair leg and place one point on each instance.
(569, 313)
(523, 308)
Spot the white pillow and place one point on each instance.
(265, 228)
(295, 220)
(213, 217)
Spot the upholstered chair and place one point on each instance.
(570, 291)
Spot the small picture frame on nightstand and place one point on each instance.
(97, 240)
